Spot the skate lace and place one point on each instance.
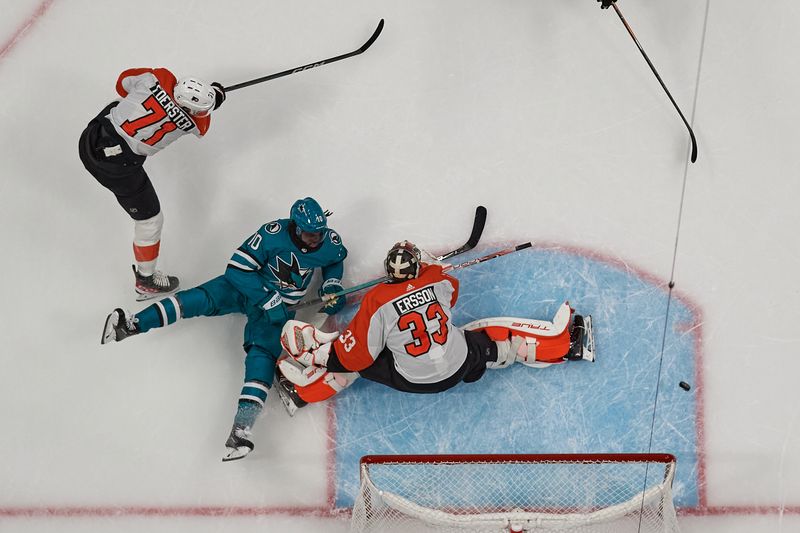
(160, 279)
(130, 321)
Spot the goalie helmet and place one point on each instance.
(402, 261)
(196, 97)
(308, 216)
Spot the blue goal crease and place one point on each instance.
(580, 407)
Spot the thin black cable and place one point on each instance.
(674, 262)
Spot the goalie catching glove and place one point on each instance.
(308, 349)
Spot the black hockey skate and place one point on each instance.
(119, 326)
(581, 339)
(238, 443)
(157, 284)
(288, 395)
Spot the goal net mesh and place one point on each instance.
(616, 493)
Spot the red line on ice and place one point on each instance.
(29, 22)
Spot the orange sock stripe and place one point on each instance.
(146, 253)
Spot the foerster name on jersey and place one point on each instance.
(174, 112)
(413, 300)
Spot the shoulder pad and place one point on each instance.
(273, 227)
(334, 238)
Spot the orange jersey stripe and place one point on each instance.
(165, 78)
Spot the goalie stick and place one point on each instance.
(477, 230)
(487, 257)
(613, 4)
(309, 66)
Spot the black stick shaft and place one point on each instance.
(311, 65)
(663, 86)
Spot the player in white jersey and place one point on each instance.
(155, 109)
(403, 336)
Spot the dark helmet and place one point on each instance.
(308, 216)
(402, 261)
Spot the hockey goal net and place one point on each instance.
(572, 493)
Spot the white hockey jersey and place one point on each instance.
(412, 319)
(147, 117)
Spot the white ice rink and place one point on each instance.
(544, 112)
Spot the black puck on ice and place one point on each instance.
(684, 385)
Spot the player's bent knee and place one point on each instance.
(259, 366)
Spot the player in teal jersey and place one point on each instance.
(271, 270)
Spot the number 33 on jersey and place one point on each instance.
(147, 117)
(412, 320)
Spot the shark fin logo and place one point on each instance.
(289, 275)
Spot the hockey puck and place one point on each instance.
(684, 385)
(672, 286)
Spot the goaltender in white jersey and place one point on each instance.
(403, 336)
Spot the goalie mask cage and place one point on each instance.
(575, 493)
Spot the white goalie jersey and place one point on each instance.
(411, 319)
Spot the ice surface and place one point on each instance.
(543, 112)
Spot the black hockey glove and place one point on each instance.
(605, 4)
(219, 94)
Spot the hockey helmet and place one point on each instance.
(196, 97)
(309, 216)
(402, 261)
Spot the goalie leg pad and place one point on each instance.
(325, 388)
(495, 326)
(552, 339)
(299, 374)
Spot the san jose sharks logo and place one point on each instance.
(290, 274)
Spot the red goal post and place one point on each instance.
(575, 493)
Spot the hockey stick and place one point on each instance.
(663, 86)
(500, 253)
(311, 65)
(475, 236)
(477, 230)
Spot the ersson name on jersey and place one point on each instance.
(413, 300)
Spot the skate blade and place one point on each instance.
(236, 453)
(108, 330)
(588, 346)
(144, 296)
(288, 404)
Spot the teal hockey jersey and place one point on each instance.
(274, 265)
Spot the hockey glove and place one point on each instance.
(605, 4)
(298, 337)
(276, 310)
(219, 94)
(333, 306)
